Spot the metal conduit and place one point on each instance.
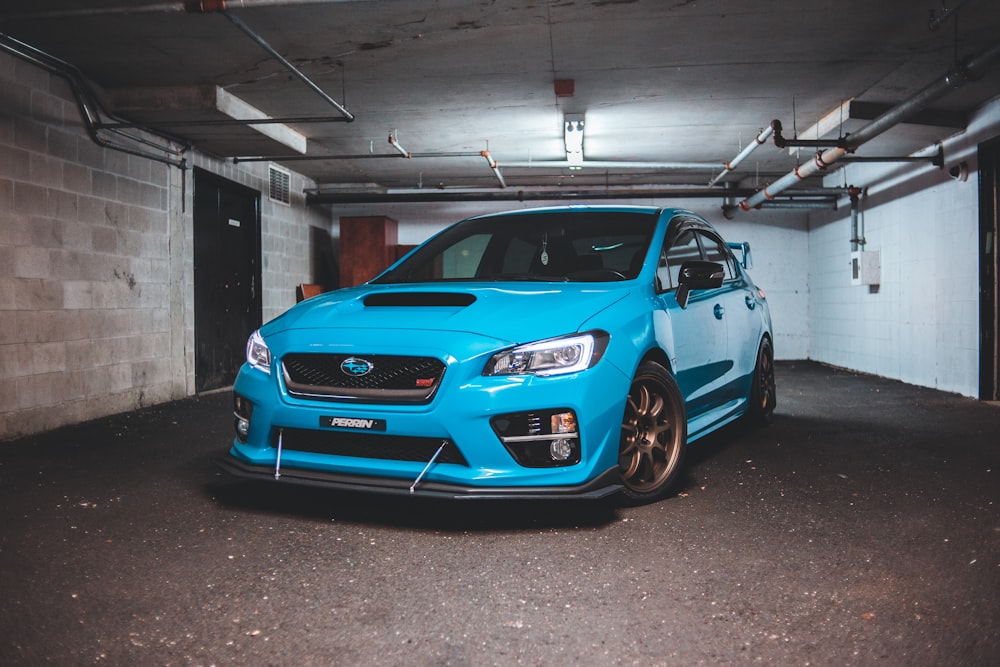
(762, 137)
(318, 196)
(495, 166)
(603, 164)
(91, 110)
(359, 156)
(194, 6)
(238, 22)
(955, 78)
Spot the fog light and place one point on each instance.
(242, 411)
(545, 438)
(561, 449)
(242, 428)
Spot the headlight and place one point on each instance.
(556, 356)
(258, 354)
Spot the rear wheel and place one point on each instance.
(654, 434)
(763, 394)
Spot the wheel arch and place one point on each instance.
(659, 356)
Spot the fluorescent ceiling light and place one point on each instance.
(573, 136)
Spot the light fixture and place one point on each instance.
(573, 136)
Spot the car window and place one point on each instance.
(684, 249)
(716, 251)
(584, 246)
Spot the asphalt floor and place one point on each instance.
(861, 528)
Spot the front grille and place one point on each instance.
(391, 378)
(368, 445)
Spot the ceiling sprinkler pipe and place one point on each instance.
(236, 21)
(206, 6)
(762, 137)
(495, 166)
(395, 144)
(606, 164)
(973, 68)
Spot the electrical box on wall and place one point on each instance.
(866, 267)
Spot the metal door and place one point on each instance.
(227, 303)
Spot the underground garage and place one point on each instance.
(708, 375)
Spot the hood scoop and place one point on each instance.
(419, 299)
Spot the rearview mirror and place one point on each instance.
(698, 274)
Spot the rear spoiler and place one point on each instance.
(743, 253)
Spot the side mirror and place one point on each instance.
(698, 275)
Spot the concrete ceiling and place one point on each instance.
(678, 86)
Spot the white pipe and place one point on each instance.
(900, 113)
(495, 166)
(395, 144)
(604, 164)
(764, 135)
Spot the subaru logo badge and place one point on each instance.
(356, 367)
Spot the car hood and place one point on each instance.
(510, 313)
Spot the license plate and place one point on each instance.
(358, 423)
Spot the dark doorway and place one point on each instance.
(325, 269)
(227, 303)
(989, 294)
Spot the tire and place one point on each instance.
(654, 435)
(763, 396)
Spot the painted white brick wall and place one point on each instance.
(96, 272)
(921, 325)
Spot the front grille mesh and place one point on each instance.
(368, 445)
(392, 378)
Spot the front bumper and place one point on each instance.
(605, 484)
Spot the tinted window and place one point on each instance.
(684, 249)
(565, 246)
(716, 251)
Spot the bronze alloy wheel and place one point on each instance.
(763, 394)
(654, 433)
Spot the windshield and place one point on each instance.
(565, 246)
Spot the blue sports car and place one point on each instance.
(568, 352)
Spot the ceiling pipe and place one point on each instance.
(938, 18)
(395, 144)
(937, 159)
(195, 6)
(955, 78)
(495, 166)
(782, 142)
(360, 156)
(762, 137)
(611, 164)
(235, 20)
(825, 198)
(444, 195)
(215, 122)
(91, 110)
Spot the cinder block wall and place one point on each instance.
(921, 324)
(96, 263)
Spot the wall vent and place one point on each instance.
(279, 189)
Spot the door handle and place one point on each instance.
(750, 301)
(719, 311)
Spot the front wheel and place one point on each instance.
(654, 435)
